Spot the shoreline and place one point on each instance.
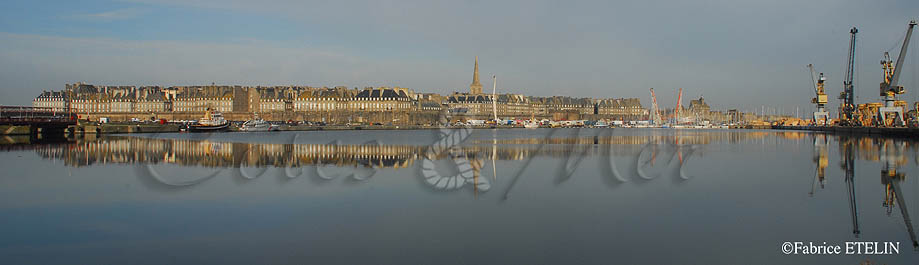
(127, 128)
(175, 128)
(875, 131)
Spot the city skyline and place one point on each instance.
(740, 56)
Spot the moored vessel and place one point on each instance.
(531, 124)
(212, 121)
(257, 125)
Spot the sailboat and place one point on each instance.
(494, 99)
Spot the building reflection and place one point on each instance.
(891, 153)
(206, 153)
(646, 156)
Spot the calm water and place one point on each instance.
(481, 196)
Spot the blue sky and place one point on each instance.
(738, 54)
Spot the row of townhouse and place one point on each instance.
(93, 99)
(519, 106)
(84, 98)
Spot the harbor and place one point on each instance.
(288, 176)
(890, 117)
(857, 130)
(459, 132)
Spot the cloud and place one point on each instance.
(736, 53)
(732, 51)
(32, 63)
(117, 14)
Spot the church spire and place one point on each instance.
(475, 87)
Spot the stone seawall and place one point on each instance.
(879, 131)
(343, 117)
(15, 129)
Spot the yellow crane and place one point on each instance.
(889, 87)
(821, 117)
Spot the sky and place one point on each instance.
(736, 53)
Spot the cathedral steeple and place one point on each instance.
(475, 87)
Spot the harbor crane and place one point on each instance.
(679, 107)
(821, 117)
(656, 112)
(847, 96)
(889, 86)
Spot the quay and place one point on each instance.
(127, 128)
(33, 121)
(862, 130)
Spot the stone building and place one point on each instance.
(563, 108)
(201, 98)
(151, 101)
(476, 105)
(699, 109)
(322, 99)
(276, 99)
(514, 106)
(383, 105)
(627, 109)
(338, 105)
(56, 100)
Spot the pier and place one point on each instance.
(17, 120)
(860, 130)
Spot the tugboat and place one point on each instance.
(212, 121)
(257, 125)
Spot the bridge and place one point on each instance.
(34, 120)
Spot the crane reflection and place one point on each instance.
(891, 155)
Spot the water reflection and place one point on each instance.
(637, 158)
(848, 166)
(821, 158)
(208, 153)
(640, 157)
(891, 153)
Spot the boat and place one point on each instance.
(257, 125)
(530, 124)
(212, 121)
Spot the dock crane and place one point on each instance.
(889, 87)
(820, 116)
(655, 111)
(847, 96)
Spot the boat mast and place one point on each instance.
(494, 99)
